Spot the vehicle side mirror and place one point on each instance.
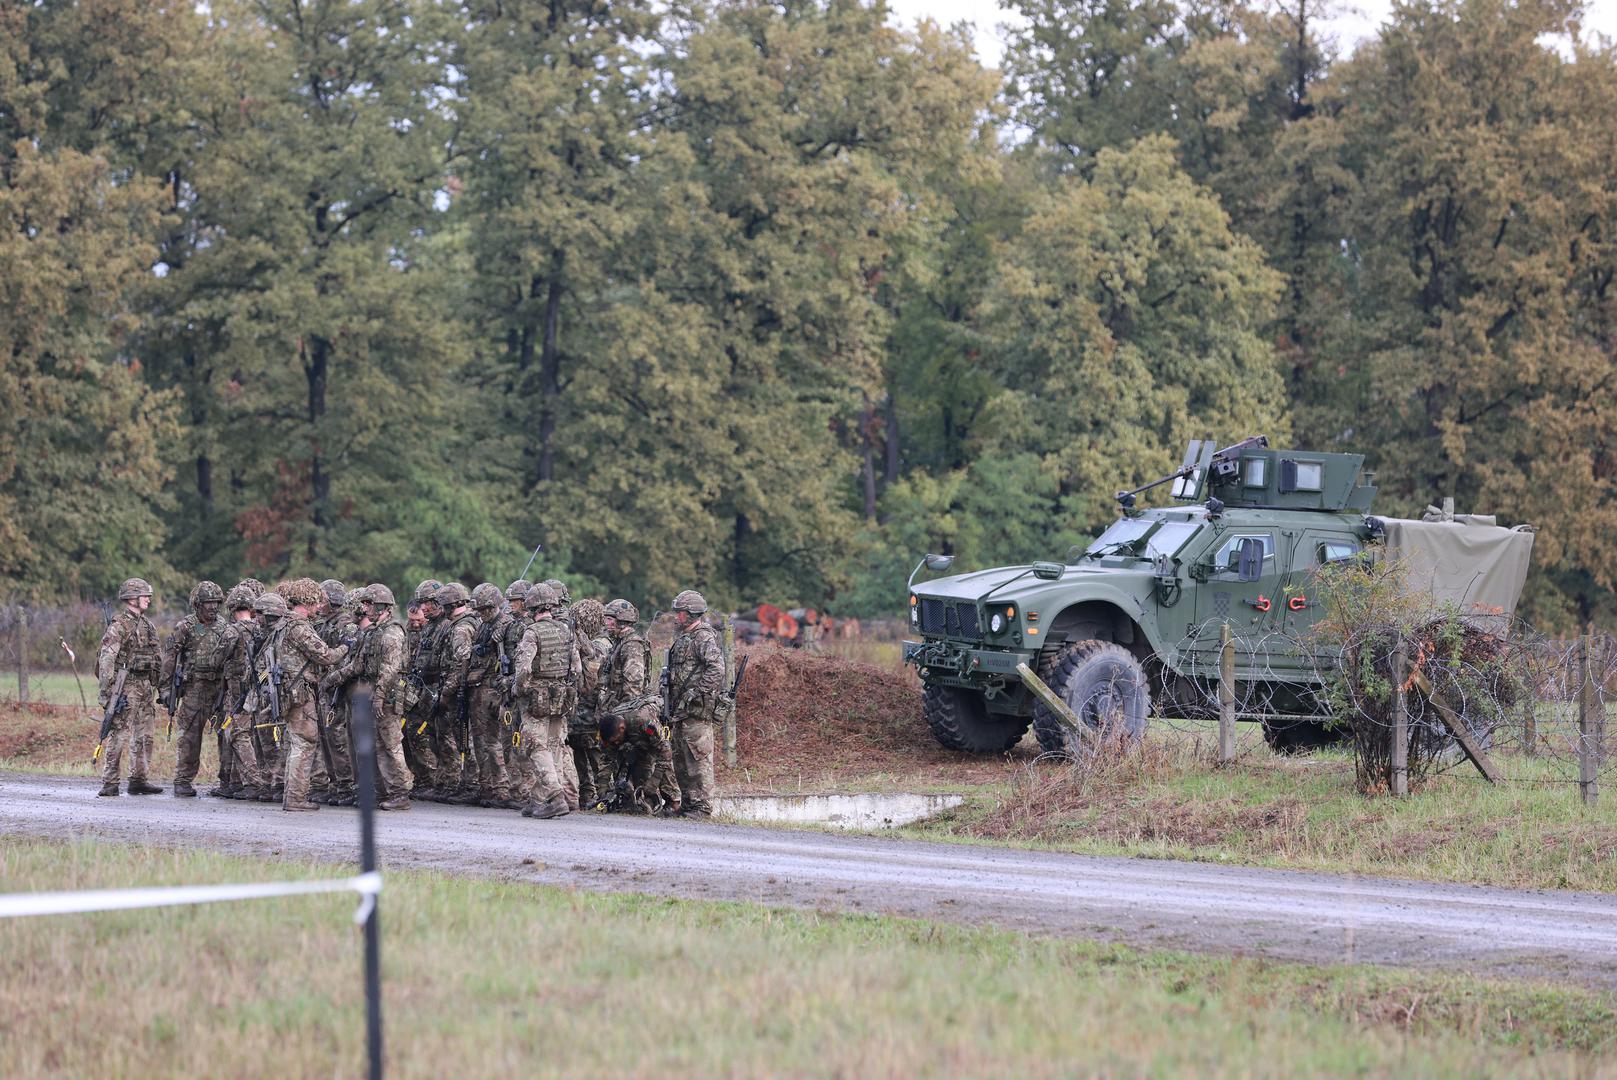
(1249, 561)
(1048, 571)
(939, 563)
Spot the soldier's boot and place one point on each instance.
(245, 793)
(553, 807)
(300, 806)
(110, 788)
(222, 792)
(142, 787)
(699, 811)
(183, 790)
(268, 795)
(398, 803)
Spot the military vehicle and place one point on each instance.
(1142, 607)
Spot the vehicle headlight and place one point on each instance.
(997, 623)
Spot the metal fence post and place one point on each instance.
(22, 653)
(1226, 697)
(1399, 752)
(1530, 722)
(363, 726)
(1591, 724)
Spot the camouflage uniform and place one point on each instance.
(421, 674)
(696, 670)
(626, 690)
(590, 759)
(378, 659)
(336, 627)
(562, 751)
(456, 778)
(129, 645)
(197, 650)
(302, 656)
(242, 639)
(546, 667)
(489, 678)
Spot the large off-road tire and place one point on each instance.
(1103, 684)
(960, 721)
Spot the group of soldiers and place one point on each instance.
(515, 698)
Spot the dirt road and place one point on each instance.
(1313, 917)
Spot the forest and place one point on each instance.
(768, 299)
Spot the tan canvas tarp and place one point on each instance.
(1469, 561)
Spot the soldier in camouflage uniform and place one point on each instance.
(336, 626)
(696, 671)
(269, 746)
(456, 779)
(583, 735)
(419, 668)
(195, 652)
(629, 708)
(303, 658)
(129, 647)
(489, 681)
(546, 667)
(563, 613)
(242, 636)
(511, 714)
(379, 661)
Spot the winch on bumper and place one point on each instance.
(993, 671)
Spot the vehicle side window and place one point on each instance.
(1332, 551)
(1230, 551)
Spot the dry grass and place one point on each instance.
(486, 979)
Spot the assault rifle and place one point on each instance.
(271, 683)
(118, 702)
(176, 687)
(665, 687)
(741, 673)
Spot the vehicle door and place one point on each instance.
(1299, 604)
(1246, 601)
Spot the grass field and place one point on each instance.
(51, 687)
(485, 979)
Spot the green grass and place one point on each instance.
(1170, 801)
(51, 687)
(485, 979)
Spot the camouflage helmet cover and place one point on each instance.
(206, 592)
(252, 586)
(271, 604)
(518, 589)
(240, 599)
(426, 590)
(487, 595)
(539, 597)
(690, 600)
(587, 616)
(560, 589)
(336, 592)
(378, 594)
(300, 591)
(452, 595)
(134, 587)
(621, 610)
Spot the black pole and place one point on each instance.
(364, 728)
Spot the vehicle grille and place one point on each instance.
(932, 621)
(950, 620)
(967, 616)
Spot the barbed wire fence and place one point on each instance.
(1533, 708)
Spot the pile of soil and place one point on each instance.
(815, 721)
(45, 735)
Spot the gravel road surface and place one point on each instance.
(1207, 908)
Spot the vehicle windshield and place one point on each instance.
(1165, 538)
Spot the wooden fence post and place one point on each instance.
(1399, 754)
(1591, 724)
(729, 677)
(22, 653)
(1530, 723)
(1226, 697)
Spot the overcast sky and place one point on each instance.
(1348, 29)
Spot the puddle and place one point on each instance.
(838, 811)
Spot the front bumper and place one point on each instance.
(953, 663)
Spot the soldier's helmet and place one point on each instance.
(336, 593)
(134, 587)
(690, 600)
(487, 595)
(305, 591)
(240, 599)
(587, 616)
(252, 585)
(206, 592)
(426, 590)
(380, 595)
(271, 606)
(621, 610)
(451, 596)
(518, 589)
(560, 589)
(539, 597)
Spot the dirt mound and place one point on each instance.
(43, 735)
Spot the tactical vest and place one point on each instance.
(205, 650)
(553, 658)
(424, 662)
(485, 662)
(443, 658)
(615, 681)
(138, 653)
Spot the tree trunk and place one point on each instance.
(867, 450)
(890, 437)
(316, 368)
(550, 374)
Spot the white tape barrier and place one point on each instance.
(68, 903)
